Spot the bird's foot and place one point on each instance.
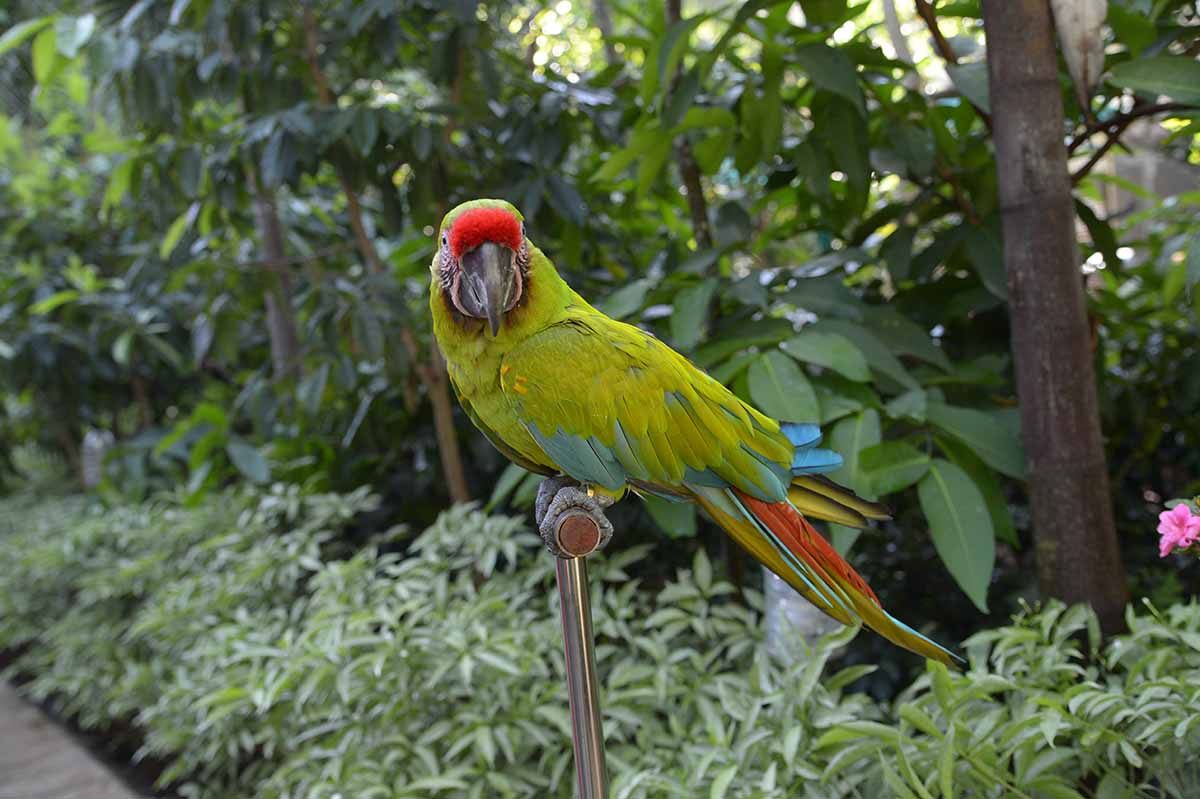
(571, 521)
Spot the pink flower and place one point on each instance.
(1179, 529)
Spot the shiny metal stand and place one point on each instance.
(582, 689)
(577, 535)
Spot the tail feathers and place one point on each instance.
(782, 540)
(806, 486)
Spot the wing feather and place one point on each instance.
(607, 400)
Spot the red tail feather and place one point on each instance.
(805, 542)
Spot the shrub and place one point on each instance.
(260, 657)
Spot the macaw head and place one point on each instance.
(482, 265)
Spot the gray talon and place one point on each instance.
(560, 495)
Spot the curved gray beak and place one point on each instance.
(488, 283)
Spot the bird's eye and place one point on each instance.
(445, 241)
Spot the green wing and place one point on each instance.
(491, 435)
(610, 404)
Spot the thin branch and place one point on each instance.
(926, 12)
(1113, 138)
(1120, 121)
(689, 170)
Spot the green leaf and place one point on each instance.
(960, 526)
(844, 131)
(903, 336)
(248, 460)
(897, 252)
(674, 44)
(983, 249)
(43, 307)
(830, 350)
(971, 80)
(946, 764)
(505, 485)
(721, 784)
(676, 519)
(891, 466)
(1193, 261)
(909, 405)
(364, 131)
(46, 59)
(278, 156)
(849, 437)
(1177, 77)
(824, 12)
(118, 184)
(17, 34)
(1173, 281)
(690, 317)
(568, 203)
(988, 434)
(121, 347)
(780, 389)
(626, 300)
(1101, 232)
(72, 33)
(311, 389)
(832, 70)
(878, 356)
(177, 229)
(843, 537)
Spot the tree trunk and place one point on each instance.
(281, 323)
(1076, 543)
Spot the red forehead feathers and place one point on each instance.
(478, 225)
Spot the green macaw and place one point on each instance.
(562, 389)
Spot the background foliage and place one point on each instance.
(264, 657)
(218, 218)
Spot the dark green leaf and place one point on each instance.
(690, 317)
(17, 34)
(676, 519)
(1103, 238)
(248, 460)
(891, 466)
(971, 80)
(824, 12)
(1177, 77)
(311, 389)
(72, 33)
(897, 252)
(877, 353)
(989, 434)
(780, 389)
(960, 527)
(850, 437)
(909, 405)
(987, 482)
(364, 131)
(832, 70)
(626, 300)
(983, 249)
(830, 350)
(567, 200)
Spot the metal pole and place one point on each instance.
(582, 690)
